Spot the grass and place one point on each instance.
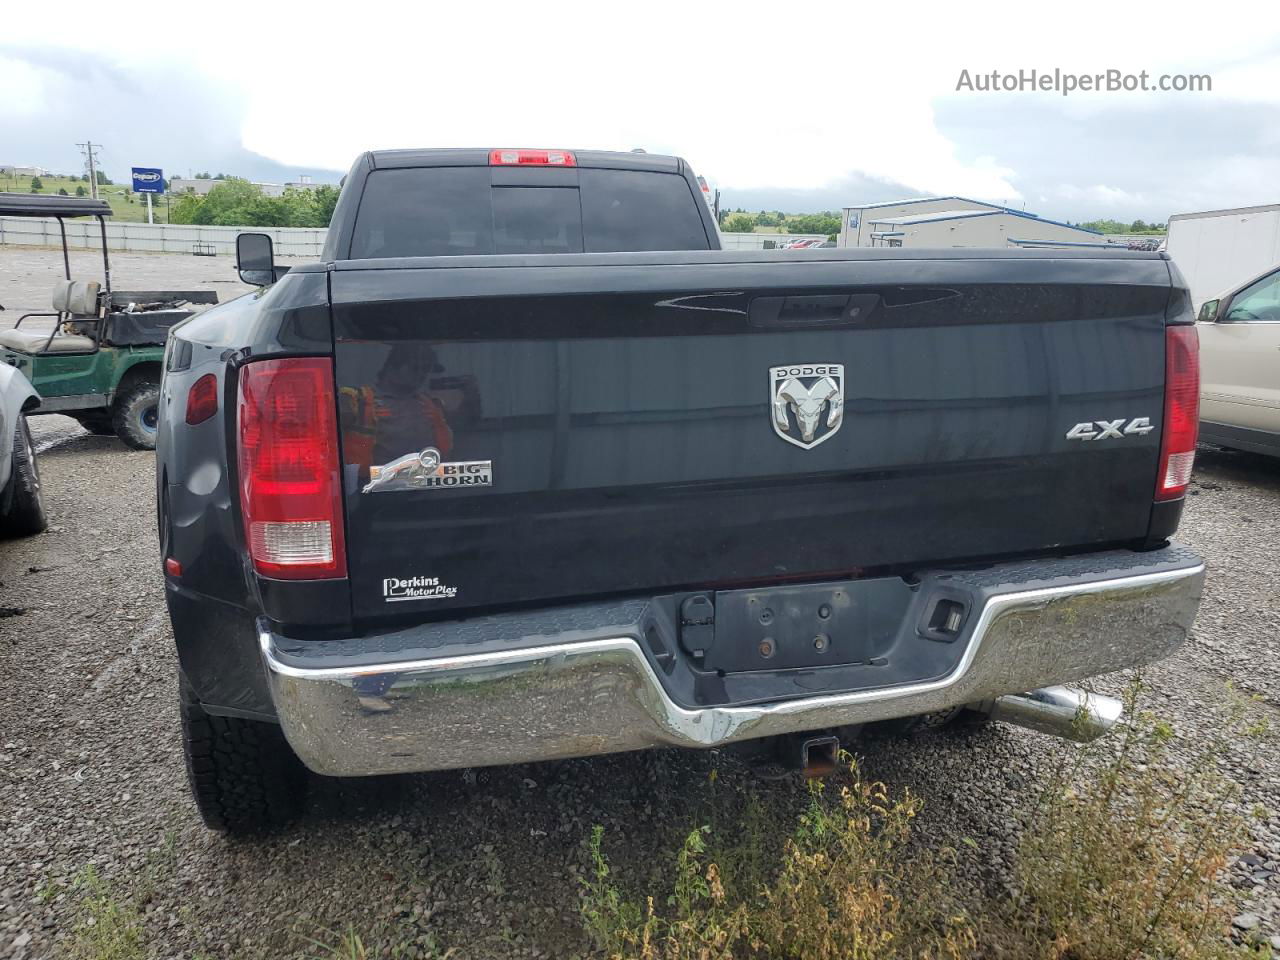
(49, 891)
(130, 209)
(1123, 854)
(846, 885)
(108, 926)
(1120, 860)
(350, 945)
(109, 922)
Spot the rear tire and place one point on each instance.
(21, 506)
(243, 774)
(99, 424)
(135, 415)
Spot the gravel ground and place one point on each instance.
(484, 861)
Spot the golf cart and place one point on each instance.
(99, 360)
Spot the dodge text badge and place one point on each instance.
(807, 402)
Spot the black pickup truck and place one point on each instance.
(527, 468)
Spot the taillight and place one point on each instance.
(202, 399)
(1181, 411)
(537, 158)
(290, 486)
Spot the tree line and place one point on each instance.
(239, 203)
(828, 222)
(1115, 226)
(740, 221)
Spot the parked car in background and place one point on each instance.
(804, 243)
(1240, 366)
(21, 506)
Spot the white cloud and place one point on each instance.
(755, 95)
(1250, 80)
(24, 90)
(1098, 197)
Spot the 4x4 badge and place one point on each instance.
(807, 402)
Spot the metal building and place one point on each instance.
(855, 223)
(956, 222)
(1218, 249)
(18, 170)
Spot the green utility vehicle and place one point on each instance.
(96, 354)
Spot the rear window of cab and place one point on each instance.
(459, 211)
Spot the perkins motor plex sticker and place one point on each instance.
(416, 588)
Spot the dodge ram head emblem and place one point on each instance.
(807, 402)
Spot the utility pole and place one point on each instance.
(87, 149)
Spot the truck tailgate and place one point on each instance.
(518, 430)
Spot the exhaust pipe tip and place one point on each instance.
(1059, 711)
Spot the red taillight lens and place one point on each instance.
(290, 479)
(1181, 411)
(202, 399)
(539, 158)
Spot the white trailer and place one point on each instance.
(1219, 249)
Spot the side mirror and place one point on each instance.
(1208, 311)
(255, 259)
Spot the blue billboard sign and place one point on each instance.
(148, 180)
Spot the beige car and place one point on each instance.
(1240, 366)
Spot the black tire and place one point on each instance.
(99, 424)
(135, 414)
(21, 506)
(243, 774)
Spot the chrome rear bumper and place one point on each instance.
(598, 695)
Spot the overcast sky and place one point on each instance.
(798, 106)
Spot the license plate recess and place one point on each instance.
(808, 625)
